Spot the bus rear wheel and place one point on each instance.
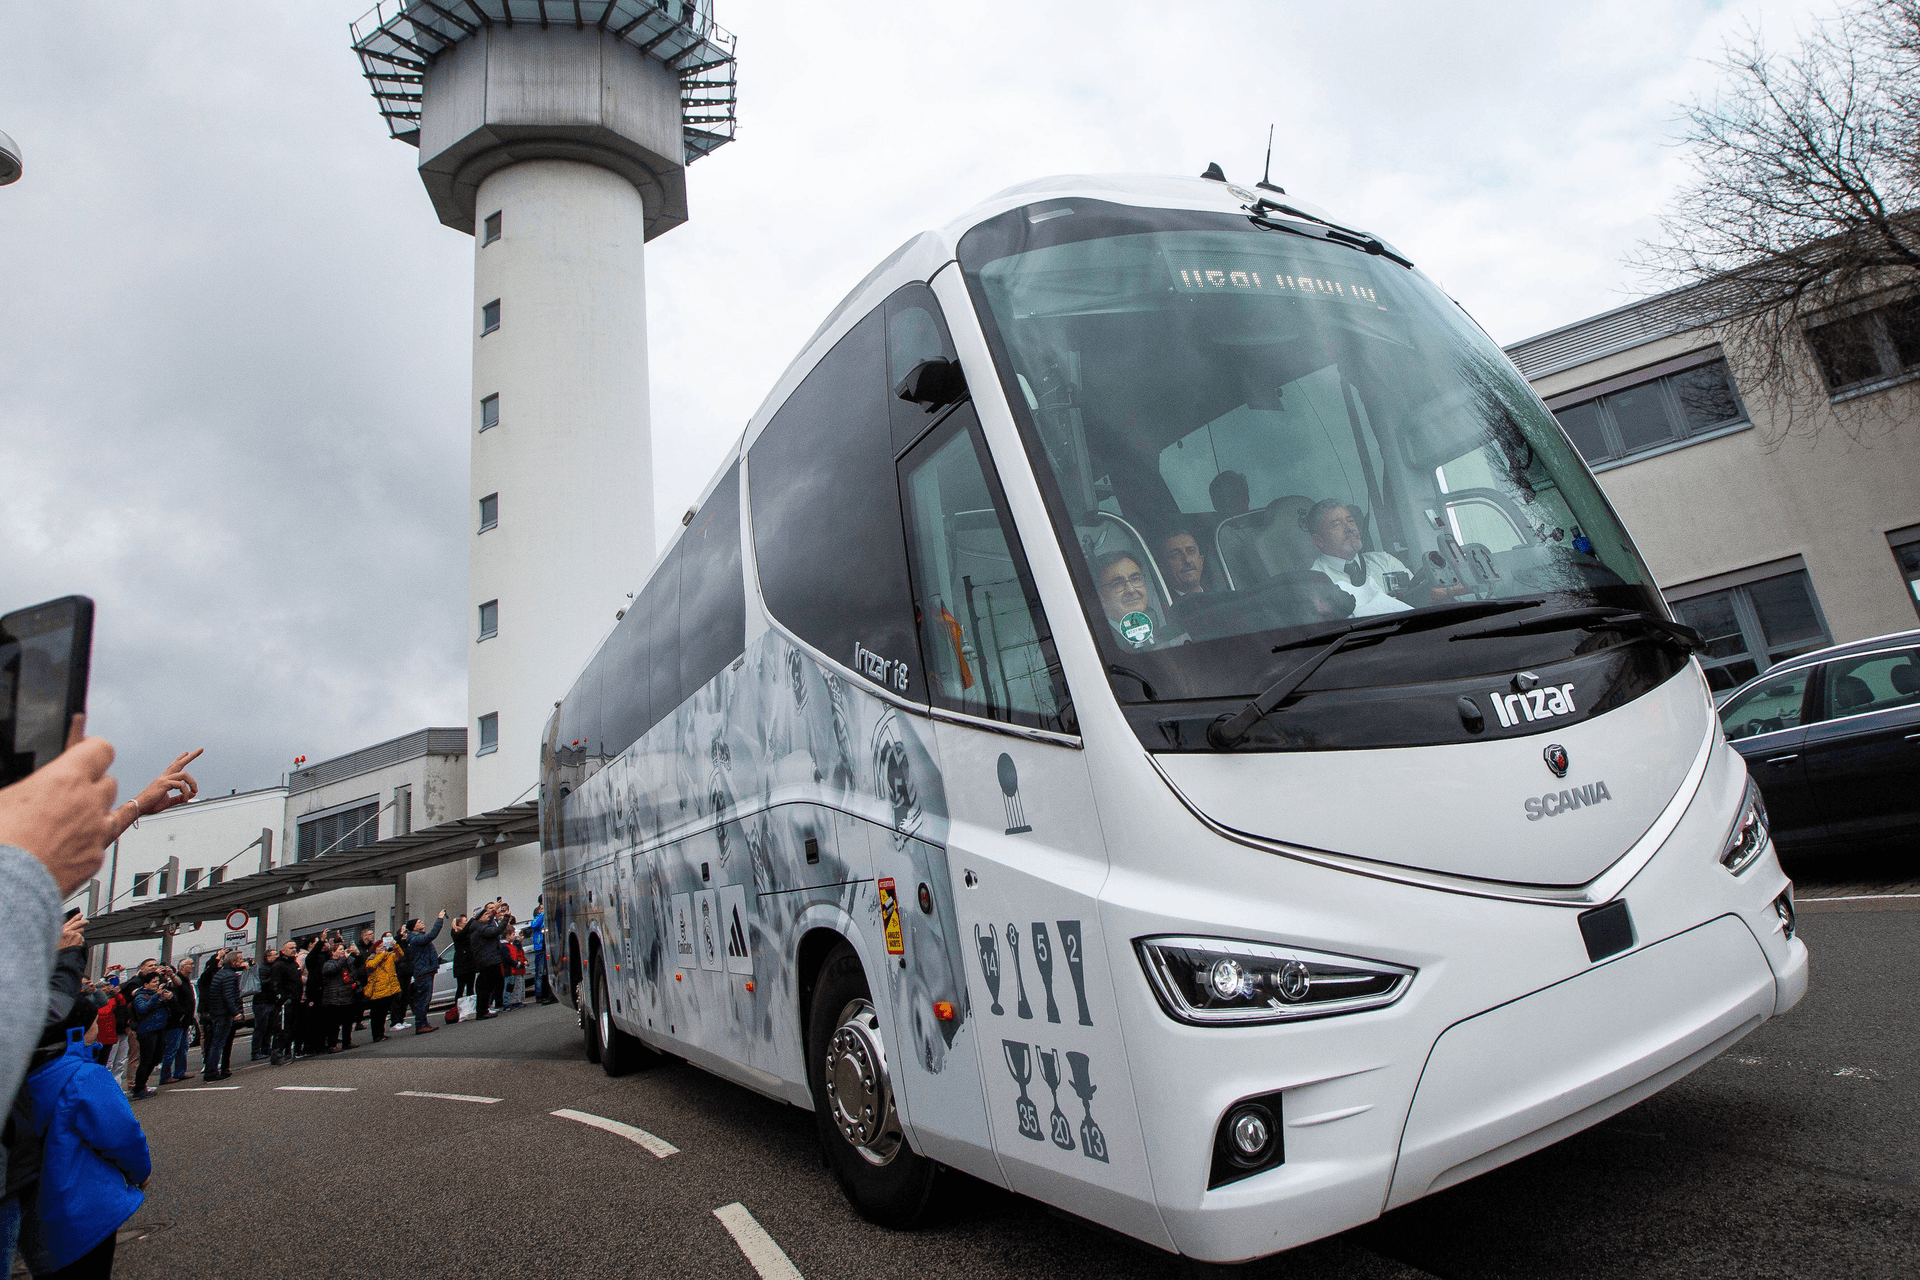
(589, 1025)
(619, 1053)
(886, 1179)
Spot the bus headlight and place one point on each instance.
(1226, 982)
(1749, 834)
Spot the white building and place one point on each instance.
(392, 788)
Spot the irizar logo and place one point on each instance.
(1553, 804)
(1534, 704)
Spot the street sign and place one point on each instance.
(236, 920)
(235, 936)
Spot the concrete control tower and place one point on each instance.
(557, 134)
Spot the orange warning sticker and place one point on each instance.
(890, 917)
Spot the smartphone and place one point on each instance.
(44, 655)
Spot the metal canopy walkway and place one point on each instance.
(377, 864)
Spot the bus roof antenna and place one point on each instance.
(1214, 172)
(1266, 177)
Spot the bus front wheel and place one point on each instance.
(887, 1180)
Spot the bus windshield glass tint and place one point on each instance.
(1253, 434)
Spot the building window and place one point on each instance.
(490, 412)
(1906, 554)
(1751, 627)
(142, 884)
(488, 865)
(189, 879)
(216, 876)
(489, 628)
(493, 228)
(337, 830)
(489, 733)
(1868, 348)
(1655, 414)
(489, 511)
(166, 881)
(490, 317)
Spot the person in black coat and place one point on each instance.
(181, 1017)
(462, 959)
(223, 1010)
(280, 996)
(483, 937)
(313, 1022)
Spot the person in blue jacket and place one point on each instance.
(94, 1165)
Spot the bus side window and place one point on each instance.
(625, 698)
(826, 516)
(659, 603)
(915, 333)
(983, 633)
(713, 596)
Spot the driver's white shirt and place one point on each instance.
(1371, 596)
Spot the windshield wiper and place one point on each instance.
(1595, 619)
(1228, 732)
(1419, 620)
(1349, 236)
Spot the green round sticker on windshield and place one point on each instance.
(1137, 628)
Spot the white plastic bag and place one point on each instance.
(467, 1008)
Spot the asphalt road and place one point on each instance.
(1792, 1155)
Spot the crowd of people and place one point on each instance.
(74, 1052)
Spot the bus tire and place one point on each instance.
(589, 1025)
(620, 1053)
(887, 1181)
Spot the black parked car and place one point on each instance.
(1833, 739)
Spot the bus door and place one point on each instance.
(1025, 856)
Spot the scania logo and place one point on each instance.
(1556, 758)
(1533, 701)
(1553, 804)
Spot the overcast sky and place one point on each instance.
(234, 353)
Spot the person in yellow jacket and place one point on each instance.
(383, 986)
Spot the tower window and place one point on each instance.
(489, 511)
(142, 884)
(490, 317)
(490, 412)
(190, 879)
(489, 733)
(493, 228)
(489, 628)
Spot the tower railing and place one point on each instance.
(397, 39)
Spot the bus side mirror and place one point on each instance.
(933, 383)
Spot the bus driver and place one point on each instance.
(1362, 575)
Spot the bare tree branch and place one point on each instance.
(1804, 200)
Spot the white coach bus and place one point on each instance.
(1155, 714)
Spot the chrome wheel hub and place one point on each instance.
(858, 1089)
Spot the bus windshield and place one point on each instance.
(1251, 431)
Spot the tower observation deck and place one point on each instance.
(557, 133)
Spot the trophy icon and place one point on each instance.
(1058, 1122)
(1076, 965)
(1020, 982)
(989, 945)
(1021, 1065)
(1043, 961)
(1093, 1143)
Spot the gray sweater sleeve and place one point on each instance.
(26, 959)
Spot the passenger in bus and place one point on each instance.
(1361, 574)
(1184, 563)
(1230, 494)
(1128, 603)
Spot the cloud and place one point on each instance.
(234, 380)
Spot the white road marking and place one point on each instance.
(1859, 897)
(761, 1251)
(314, 1088)
(659, 1146)
(450, 1097)
(205, 1088)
